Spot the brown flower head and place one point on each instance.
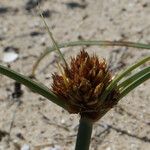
(81, 85)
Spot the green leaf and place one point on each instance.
(36, 87)
(53, 40)
(121, 75)
(133, 78)
(89, 43)
(39, 60)
(106, 43)
(134, 84)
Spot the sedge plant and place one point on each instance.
(85, 86)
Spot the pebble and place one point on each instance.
(10, 54)
(31, 4)
(3, 9)
(62, 121)
(46, 13)
(25, 147)
(10, 49)
(9, 57)
(56, 147)
(36, 33)
(108, 148)
(73, 5)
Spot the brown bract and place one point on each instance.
(81, 84)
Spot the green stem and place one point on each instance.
(133, 78)
(34, 86)
(55, 45)
(121, 75)
(104, 43)
(90, 43)
(84, 134)
(134, 84)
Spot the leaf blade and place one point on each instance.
(133, 77)
(121, 75)
(134, 85)
(39, 88)
(53, 40)
(89, 43)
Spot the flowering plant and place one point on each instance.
(86, 86)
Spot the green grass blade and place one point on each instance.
(53, 40)
(36, 87)
(89, 43)
(133, 78)
(106, 43)
(47, 51)
(134, 84)
(113, 84)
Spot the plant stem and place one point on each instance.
(89, 43)
(133, 77)
(84, 134)
(134, 84)
(55, 45)
(122, 75)
(34, 86)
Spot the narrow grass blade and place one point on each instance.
(113, 84)
(89, 43)
(53, 40)
(134, 84)
(106, 43)
(47, 51)
(36, 87)
(133, 78)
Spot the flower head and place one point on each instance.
(81, 85)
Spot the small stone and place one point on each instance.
(10, 49)
(108, 148)
(35, 33)
(9, 57)
(20, 136)
(73, 5)
(56, 147)
(25, 147)
(10, 54)
(3, 9)
(145, 5)
(31, 4)
(62, 121)
(46, 13)
(2, 134)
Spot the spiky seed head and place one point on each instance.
(81, 84)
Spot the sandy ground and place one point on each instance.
(39, 123)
